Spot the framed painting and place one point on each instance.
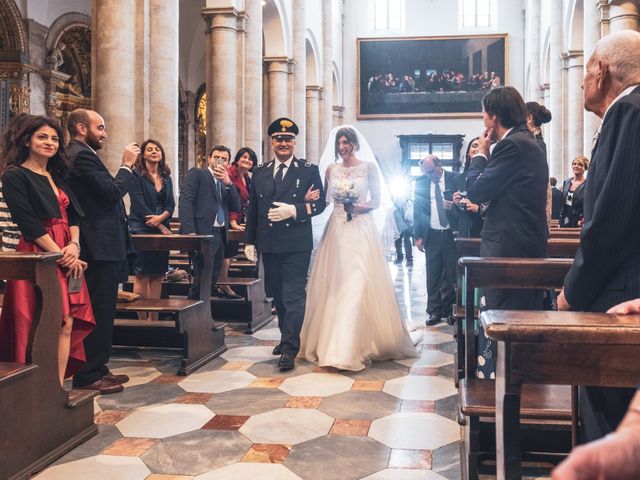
(428, 76)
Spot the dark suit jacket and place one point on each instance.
(557, 199)
(292, 235)
(606, 269)
(199, 202)
(143, 196)
(515, 181)
(422, 205)
(103, 230)
(577, 204)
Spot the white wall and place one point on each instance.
(424, 18)
(46, 11)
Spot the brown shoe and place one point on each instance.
(119, 379)
(104, 387)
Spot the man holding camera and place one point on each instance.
(434, 222)
(209, 191)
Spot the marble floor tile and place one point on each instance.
(287, 426)
(248, 401)
(110, 417)
(404, 474)
(107, 434)
(250, 471)
(160, 476)
(267, 382)
(423, 371)
(367, 385)
(138, 374)
(435, 336)
(316, 385)
(448, 407)
(217, 381)
(356, 428)
(428, 358)
(140, 396)
(407, 431)
(194, 398)
(237, 366)
(267, 334)
(168, 379)
(267, 453)
(304, 402)
(446, 461)
(130, 447)
(335, 457)
(418, 406)
(164, 420)
(196, 452)
(271, 369)
(420, 459)
(225, 422)
(379, 371)
(248, 354)
(102, 467)
(420, 388)
(360, 405)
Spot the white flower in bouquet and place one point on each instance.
(345, 192)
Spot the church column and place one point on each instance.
(278, 69)
(253, 77)
(591, 34)
(620, 15)
(575, 117)
(221, 76)
(164, 79)
(533, 15)
(327, 68)
(338, 115)
(555, 77)
(113, 77)
(300, 74)
(313, 121)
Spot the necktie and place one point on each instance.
(442, 213)
(220, 215)
(279, 175)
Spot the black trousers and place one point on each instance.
(217, 258)
(440, 251)
(404, 239)
(285, 277)
(102, 282)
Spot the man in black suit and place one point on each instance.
(556, 199)
(207, 197)
(434, 221)
(279, 226)
(606, 269)
(104, 238)
(514, 180)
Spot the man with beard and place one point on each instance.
(103, 240)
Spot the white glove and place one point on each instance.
(281, 212)
(251, 253)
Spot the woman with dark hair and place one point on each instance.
(239, 170)
(537, 115)
(152, 206)
(470, 221)
(47, 214)
(573, 194)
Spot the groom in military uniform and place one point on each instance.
(279, 227)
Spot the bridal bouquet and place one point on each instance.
(345, 192)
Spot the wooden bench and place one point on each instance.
(39, 420)
(564, 233)
(476, 396)
(562, 348)
(191, 328)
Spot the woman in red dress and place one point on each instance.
(47, 214)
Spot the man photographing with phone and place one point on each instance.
(434, 222)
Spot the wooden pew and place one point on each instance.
(39, 420)
(191, 328)
(477, 399)
(564, 233)
(562, 348)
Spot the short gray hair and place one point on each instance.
(621, 52)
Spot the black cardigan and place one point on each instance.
(31, 200)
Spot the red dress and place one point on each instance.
(18, 307)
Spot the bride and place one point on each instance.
(352, 316)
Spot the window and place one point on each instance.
(416, 147)
(477, 14)
(389, 14)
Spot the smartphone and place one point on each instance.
(448, 195)
(74, 284)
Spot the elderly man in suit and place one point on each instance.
(279, 226)
(434, 220)
(207, 197)
(606, 269)
(513, 178)
(103, 240)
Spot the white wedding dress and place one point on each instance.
(352, 316)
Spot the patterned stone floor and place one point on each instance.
(240, 418)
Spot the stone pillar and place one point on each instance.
(278, 69)
(620, 15)
(253, 77)
(591, 34)
(533, 16)
(555, 85)
(221, 76)
(300, 74)
(327, 67)
(575, 117)
(164, 79)
(313, 120)
(189, 134)
(338, 115)
(113, 76)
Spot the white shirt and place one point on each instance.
(435, 218)
(219, 188)
(491, 147)
(623, 93)
(287, 164)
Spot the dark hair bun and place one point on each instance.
(544, 115)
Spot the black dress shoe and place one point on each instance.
(451, 319)
(397, 261)
(277, 350)
(409, 262)
(117, 379)
(287, 362)
(103, 386)
(433, 320)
